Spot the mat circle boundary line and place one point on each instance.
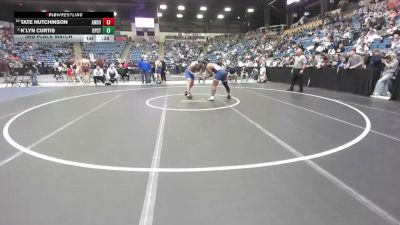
(28, 151)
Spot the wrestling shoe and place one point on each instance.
(211, 99)
(189, 96)
(228, 96)
(186, 93)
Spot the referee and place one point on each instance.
(298, 70)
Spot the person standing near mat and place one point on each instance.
(391, 64)
(158, 70)
(163, 71)
(143, 66)
(85, 67)
(193, 69)
(32, 71)
(220, 74)
(299, 66)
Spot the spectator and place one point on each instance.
(112, 74)
(395, 41)
(70, 74)
(123, 72)
(32, 71)
(393, 14)
(348, 35)
(125, 65)
(362, 39)
(98, 75)
(244, 75)
(263, 75)
(143, 67)
(163, 70)
(390, 64)
(56, 68)
(336, 62)
(158, 70)
(374, 62)
(372, 36)
(312, 62)
(340, 49)
(355, 61)
(362, 49)
(100, 61)
(5, 68)
(255, 73)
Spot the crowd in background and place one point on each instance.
(5, 39)
(180, 53)
(143, 48)
(375, 26)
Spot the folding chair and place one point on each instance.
(7, 79)
(25, 79)
(12, 79)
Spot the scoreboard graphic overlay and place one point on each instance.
(64, 26)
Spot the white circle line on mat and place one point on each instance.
(148, 103)
(28, 151)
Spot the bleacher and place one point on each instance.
(212, 58)
(182, 52)
(47, 53)
(110, 51)
(382, 45)
(151, 50)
